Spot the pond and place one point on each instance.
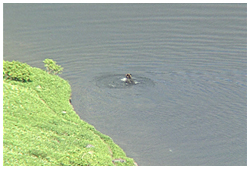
(189, 106)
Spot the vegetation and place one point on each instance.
(52, 67)
(42, 129)
(16, 71)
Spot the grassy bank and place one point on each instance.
(41, 128)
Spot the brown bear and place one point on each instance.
(129, 79)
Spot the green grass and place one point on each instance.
(40, 127)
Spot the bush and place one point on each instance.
(52, 67)
(16, 70)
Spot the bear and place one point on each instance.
(129, 79)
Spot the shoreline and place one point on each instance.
(41, 127)
(114, 160)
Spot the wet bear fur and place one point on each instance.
(129, 79)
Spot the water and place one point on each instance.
(190, 105)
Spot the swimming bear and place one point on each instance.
(129, 79)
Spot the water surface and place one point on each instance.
(190, 107)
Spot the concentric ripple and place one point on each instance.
(116, 81)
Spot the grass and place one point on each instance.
(40, 127)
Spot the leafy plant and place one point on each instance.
(52, 67)
(16, 70)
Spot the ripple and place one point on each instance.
(116, 81)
